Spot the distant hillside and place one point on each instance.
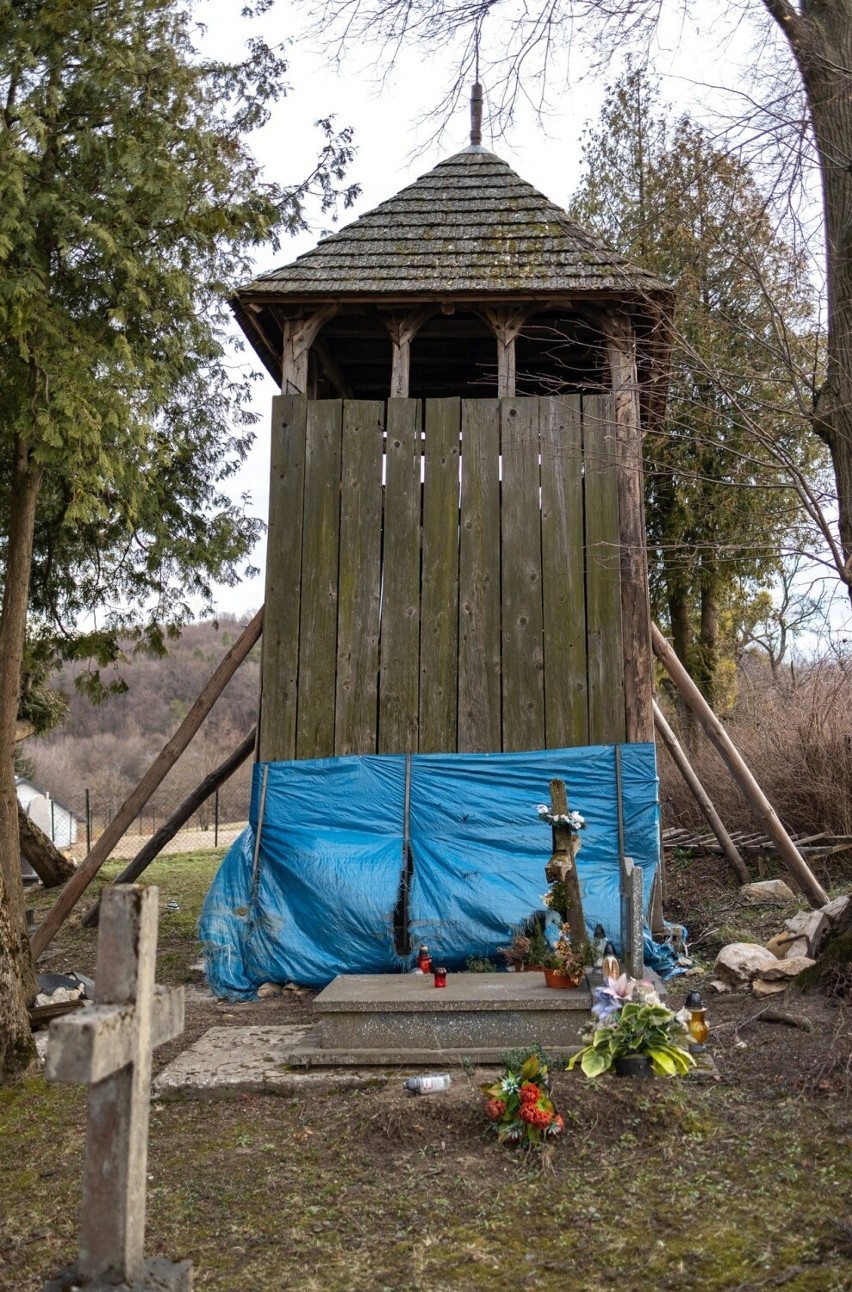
(106, 748)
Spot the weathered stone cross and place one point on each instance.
(108, 1047)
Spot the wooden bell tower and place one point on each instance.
(456, 552)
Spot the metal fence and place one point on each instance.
(83, 816)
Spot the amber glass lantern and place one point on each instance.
(697, 1025)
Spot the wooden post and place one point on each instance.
(506, 324)
(563, 866)
(156, 773)
(108, 1047)
(635, 604)
(719, 737)
(168, 830)
(700, 795)
(298, 336)
(402, 328)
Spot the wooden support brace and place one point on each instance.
(506, 324)
(52, 867)
(722, 742)
(700, 795)
(298, 336)
(156, 773)
(179, 817)
(402, 328)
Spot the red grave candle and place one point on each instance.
(440, 977)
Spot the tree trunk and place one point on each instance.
(708, 633)
(678, 600)
(17, 1049)
(820, 36)
(19, 989)
(51, 866)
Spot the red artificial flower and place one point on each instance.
(495, 1109)
(533, 1116)
(530, 1093)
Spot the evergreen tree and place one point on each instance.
(129, 206)
(720, 507)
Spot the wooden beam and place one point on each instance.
(179, 817)
(720, 739)
(52, 867)
(635, 602)
(298, 335)
(330, 370)
(700, 795)
(402, 328)
(156, 773)
(506, 324)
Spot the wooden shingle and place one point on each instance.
(470, 226)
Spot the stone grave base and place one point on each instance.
(387, 1020)
(159, 1276)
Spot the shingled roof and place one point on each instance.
(470, 226)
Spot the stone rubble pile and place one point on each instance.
(767, 970)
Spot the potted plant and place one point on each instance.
(563, 967)
(527, 950)
(517, 953)
(634, 1033)
(519, 1105)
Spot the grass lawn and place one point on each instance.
(743, 1183)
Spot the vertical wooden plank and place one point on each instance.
(318, 647)
(603, 579)
(563, 575)
(440, 580)
(399, 670)
(360, 580)
(280, 648)
(520, 543)
(480, 723)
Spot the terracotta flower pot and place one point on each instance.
(556, 978)
(634, 1065)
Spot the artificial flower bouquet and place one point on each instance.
(630, 1019)
(519, 1106)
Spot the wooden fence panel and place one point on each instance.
(360, 579)
(563, 572)
(520, 539)
(480, 724)
(399, 674)
(440, 580)
(603, 575)
(432, 617)
(280, 650)
(320, 545)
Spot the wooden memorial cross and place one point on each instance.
(563, 866)
(108, 1046)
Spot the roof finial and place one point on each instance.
(476, 115)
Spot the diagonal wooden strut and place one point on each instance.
(156, 773)
(719, 738)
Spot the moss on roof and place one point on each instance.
(471, 225)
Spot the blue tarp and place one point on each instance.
(318, 896)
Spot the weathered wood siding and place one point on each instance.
(442, 577)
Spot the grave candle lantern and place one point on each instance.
(440, 977)
(697, 1025)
